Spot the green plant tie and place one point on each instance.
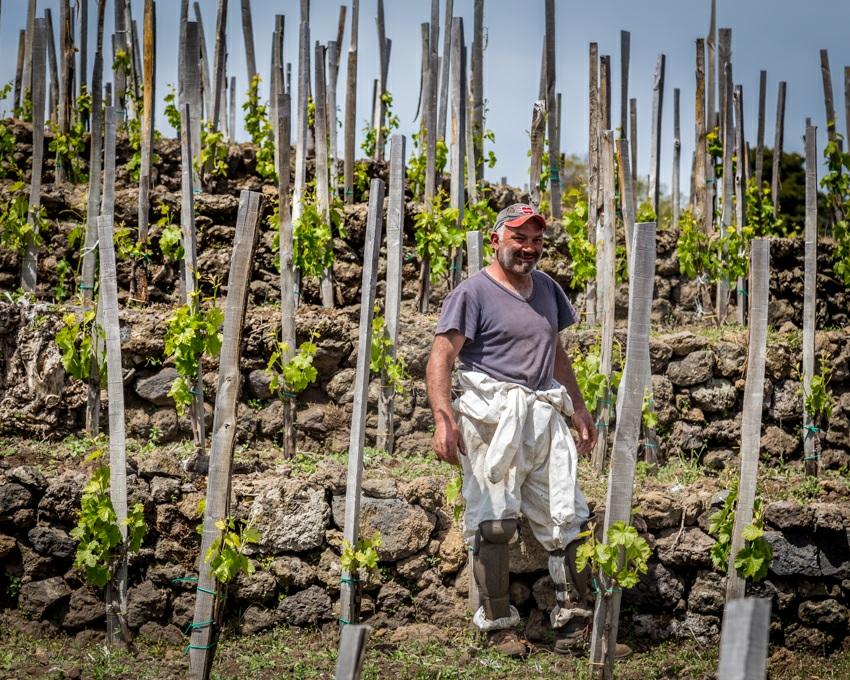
(185, 579)
(349, 579)
(349, 192)
(344, 622)
(601, 425)
(197, 626)
(196, 190)
(815, 456)
(741, 291)
(811, 430)
(289, 395)
(650, 445)
(85, 286)
(188, 647)
(194, 391)
(208, 592)
(709, 180)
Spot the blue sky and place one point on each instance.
(781, 36)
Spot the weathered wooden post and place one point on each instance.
(248, 36)
(606, 263)
(385, 439)
(779, 137)
(301, 132)
(349, 604)
(633, 136)
(120, 43)
(140, 278)
(28, 54)
(192, 91)
(208, 599)
(592, 173)
(66, 89)
(477, 113)
(551, 116)
(444, 68)
(810, 453)
(655, 151)
(474, 252)
(711, 46)
(760, 129)
(677, 159)
(321, 137)
(107, 204)
(116, 591)
(203, 64)
(743, 640)
(351, 106)
(330, 107)
(724, 79)
(728, 180)
(29, 266)
(352, 650)
(190, 263)
(740, 190)
(636, 374)
(17, 102)
(753, 398)
(604, 92)
(625, 51)
(288, 293)
(538, 125)
(82, 78)
(458, 130)
(828, 102)
(378, 99)
(627, 204)
(53, 69)
(218, 61)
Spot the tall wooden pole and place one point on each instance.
(385, 439)
(605, 273)
(301, 129)
(810, 454)
(828, 102)
(604, 92)
(633, 139)
(677, 159)
(82, 77)
(743, 640)
(477, 113)
(29, 266)
(701, 205)
(724, 75)
(351, 106)
(458, 130)
(655, 151)
(551, 117)
(192, 91)
(218, 63)
(627, 202)
(711, 91)
(65, 93)
(330, 86)
(753, 398)
(380, 106)
(741, 171)
(148, 114)
(636, 374)
(592, 171)
(444, 67)
(625, 50)
(728, 181)
(19, 70)
(204, 65)
(53, 68)
(248, 37)
(322, 196)
(120, 43)
(209, 599)
(28, 54)
(760, 129)
(349, 604)
(779, 137)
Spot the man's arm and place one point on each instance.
(582, 420)
(438, 378)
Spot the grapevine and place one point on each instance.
(76, 342)
(836, 182)
(226, 556)
(290, 378)
(581, 249)
(393, 370)
(437, 235)
(753, 560)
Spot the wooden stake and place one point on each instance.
(385, 439)
(606, 263)
(728, 180)
(29, 266)
(203, 66)
(592, 172)
(378, 100)
(444, 77)
(552, 118)
(82, 78)
(753, 398)
(655, 151)
(625, 50)
(779, 136)
(828, 103)
(352, 651)
(19, 69)
(604, 93)
(538, 125)
(322, 197)
(120, 43)
(677, 160)
(627, 203)
(349, 604)
(636, 374)
(248, 37)
(474, 251)
(760, 132)
(477, 117)
(711, 45)
(743, 641)
(148, 115)
(740, 186)
(701, 205)
(218, 63)
(633, 136)
(810, 434)
(53, 99)
(231, 127)
(28, 54)
(301, 129)
(351, 106)
(724, 78)
(208, 607)
(333, 157)
(458, 129)
(192, 91)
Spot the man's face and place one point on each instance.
(520, 248)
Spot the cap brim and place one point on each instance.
(522, 219)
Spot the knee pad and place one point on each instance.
(490, 567)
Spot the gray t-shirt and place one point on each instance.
(509, 338)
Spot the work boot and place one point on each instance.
(576, 642)
(507, 642)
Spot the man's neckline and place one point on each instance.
(510, 291)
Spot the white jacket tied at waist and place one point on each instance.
(525, 419)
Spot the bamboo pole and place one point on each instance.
(208, 607)
(677, 160)
(378, 98)
(53, 98)
(625, 51)
(29, 266)
(552, 118)
(349, 602)
(322, 197)
(605, 268)
(636, 374)
(592, 172)
(204, 65)
(190, 257)
(477, 117)
(444, 66)
(779, 137)
(116, 605)
(148, 114)
(740, 186)
(248, 37)
(810, 453)
(351, 106)
(760, 129)
(385, 439)
(288, 293)
(753, 398)
(218, 61)
(655, 151)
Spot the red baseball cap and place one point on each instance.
(518, 214)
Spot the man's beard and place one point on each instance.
(513, 261)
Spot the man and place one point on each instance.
(508, 425)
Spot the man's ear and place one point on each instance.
(494, 238)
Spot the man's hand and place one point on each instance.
(447, 442)
(583, 422)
